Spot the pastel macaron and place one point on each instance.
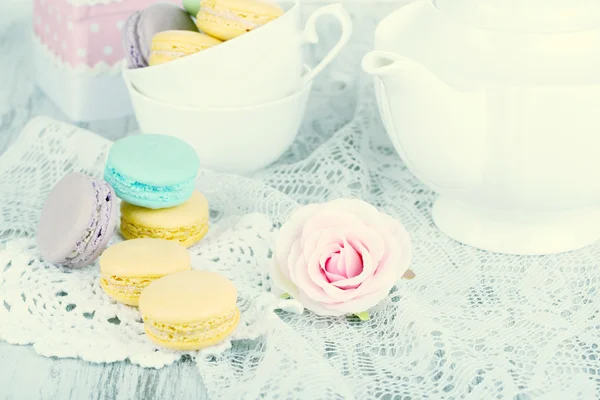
(227, 19)
(141, 26)
(190, 310)
(172, 45)
(77, 221)
(152, 171)
(127, 268)
(186, 224)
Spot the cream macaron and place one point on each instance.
(227, 19)
(190, 310)
(185, 224)
(127, 268)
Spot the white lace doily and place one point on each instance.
(472, 325)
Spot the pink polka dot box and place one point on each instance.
(79, 55)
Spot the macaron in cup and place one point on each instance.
(172, 45)
(141, 26)
(228, 19)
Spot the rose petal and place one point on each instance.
(294, 255)
(334, 265)
(281, 282)
(370, 239)
(312, 281)
(330, 222)
(290, 231)
(386, 274)
(342, 290)
(367, 272)
(327, 252)
(353, 264)
(331, 277)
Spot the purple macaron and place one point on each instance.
(141, 26)
(77, 222)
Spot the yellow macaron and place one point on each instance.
(185, 224)
(227, 19)
(127, 268)
(171, 45)
(190, 310)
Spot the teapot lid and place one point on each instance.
(525, 15)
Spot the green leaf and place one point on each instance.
(363, 316)
(285, 296)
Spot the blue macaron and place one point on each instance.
(152, 171)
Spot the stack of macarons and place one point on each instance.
(155, 176)
(162, 214)
(164, 32)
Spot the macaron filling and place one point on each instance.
(128, 189)
(201, 331)
(128, 287)
(97, 227)
(182, 234)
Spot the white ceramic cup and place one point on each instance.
(263, 65)
(235, 139)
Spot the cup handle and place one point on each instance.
(310, 35)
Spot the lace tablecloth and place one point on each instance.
(472, 325)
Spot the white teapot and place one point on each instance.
(495, 104)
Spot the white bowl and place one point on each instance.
(234, 140)
(263, 65)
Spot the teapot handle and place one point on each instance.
(310, 35)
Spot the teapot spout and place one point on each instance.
(424, 117)
(382, 63)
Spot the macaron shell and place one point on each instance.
(191, 6)
(150, 258)
(172, 45)
(187, 297)
(228, 19)
(192, 212)
(196, 345)
(131, 42)
(161, 17)
(158, 160)
(66, 217)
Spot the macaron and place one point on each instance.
(77, 221)
(141, 26)
(190, 310)
(185, 224)
(227, 19)
(191, 6)
(127, 268)
(171, 45)
(152, 171)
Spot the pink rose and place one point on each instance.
(341, 257)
